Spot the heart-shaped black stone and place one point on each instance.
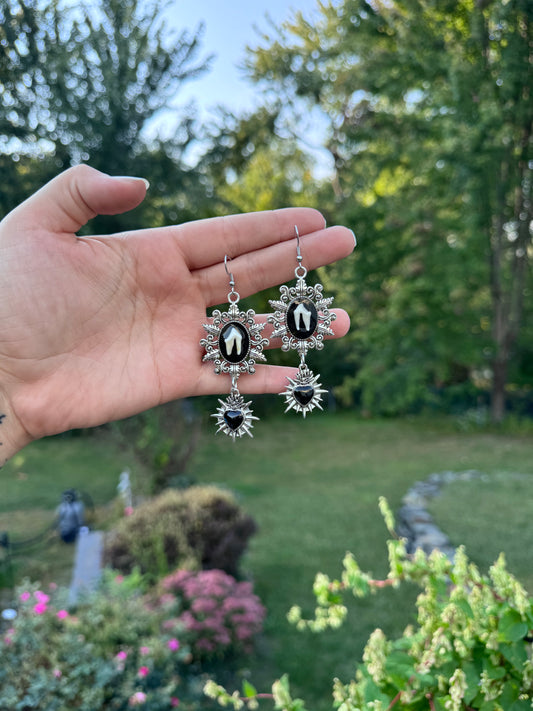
(303, 394)
(233, 419)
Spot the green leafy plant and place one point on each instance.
(110, 652)
(470, 649)
(200, 527)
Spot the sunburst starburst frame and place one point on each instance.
(299, 334)
(304, 392)
(234, 416)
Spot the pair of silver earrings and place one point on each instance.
(234, 343)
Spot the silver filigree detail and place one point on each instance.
(279, 319)
(256, 342)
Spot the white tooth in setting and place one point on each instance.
(233, 339)
(301, 313)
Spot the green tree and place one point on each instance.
(233, 139)
(248, 166)
(81, 83)
(163, 439)
(430, 115)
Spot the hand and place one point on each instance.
(94, 329)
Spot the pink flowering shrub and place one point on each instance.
(108, 653)
(222, 616)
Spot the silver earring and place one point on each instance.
(302, 319)
(233, 344)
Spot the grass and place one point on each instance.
(503, 506)
(36, 476)
(31, 486)
(313, 488)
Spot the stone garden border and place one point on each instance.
(415, 523)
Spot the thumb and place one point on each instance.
(78, 194)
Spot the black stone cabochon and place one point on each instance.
(295, 322)
(234, 346)
(303, 394)
(233, 419)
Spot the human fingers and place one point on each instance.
(75, 196)
(274, 264)
(265, 379)
(205, 242)
(340, 326)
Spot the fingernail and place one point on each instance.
(131, 177)
(354, 238)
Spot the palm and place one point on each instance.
(103, 327)
(104, 341)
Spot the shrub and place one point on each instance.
(201, 527)
(470, 650)
(109, 653)
(222, 616)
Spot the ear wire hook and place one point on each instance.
(298, 253)
(300, 271)
(233, 296)
(230, 274)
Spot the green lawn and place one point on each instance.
(31, 486)
(503, 505)
(313, 487)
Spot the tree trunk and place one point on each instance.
(500, 320)
(498, 394)
(512, 256)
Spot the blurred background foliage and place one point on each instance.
(426, 112)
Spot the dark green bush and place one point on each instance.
(199, 528)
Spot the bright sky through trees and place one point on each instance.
(229, 27)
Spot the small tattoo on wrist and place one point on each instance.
(2, 417)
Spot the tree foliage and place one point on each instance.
(429, 123)
(427, 112)
(81, 84)
(163, 439)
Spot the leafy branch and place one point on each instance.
(470, 650)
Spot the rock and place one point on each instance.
(426, 489)
(414, 500)
(416, 524)
(87, 564)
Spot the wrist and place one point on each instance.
(13, 436)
